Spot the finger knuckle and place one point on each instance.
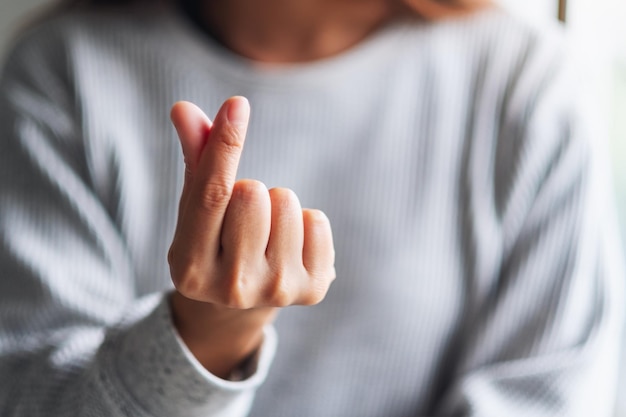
(314, 296)
(319, 285)
(188, 273)
(235, 292)
(230, 135)
(248, 190)
(215, 195)
(284, 198)
(316, 218)
(280, 290)
(171, 256)
(189, 284)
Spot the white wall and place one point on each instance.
(532, 9)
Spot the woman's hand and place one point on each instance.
(240, 250)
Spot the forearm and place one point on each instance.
(136, 368)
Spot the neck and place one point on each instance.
(282, 31)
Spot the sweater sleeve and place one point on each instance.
(542, 337)
(74, 337)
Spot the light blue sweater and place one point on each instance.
(476, 256)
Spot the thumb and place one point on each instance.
(193, 127)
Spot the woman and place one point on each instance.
(443, 142)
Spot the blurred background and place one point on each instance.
(597, 28)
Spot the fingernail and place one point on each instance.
(238, 111)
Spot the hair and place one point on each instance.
(427, 9)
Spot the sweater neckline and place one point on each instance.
(378, 49)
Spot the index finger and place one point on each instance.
(216, 171)
(220, 157)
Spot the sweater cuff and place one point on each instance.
(149, 366)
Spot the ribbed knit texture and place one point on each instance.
(476, 260)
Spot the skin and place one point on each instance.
(241, 251)
(287, 31)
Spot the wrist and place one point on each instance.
(223, 340)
